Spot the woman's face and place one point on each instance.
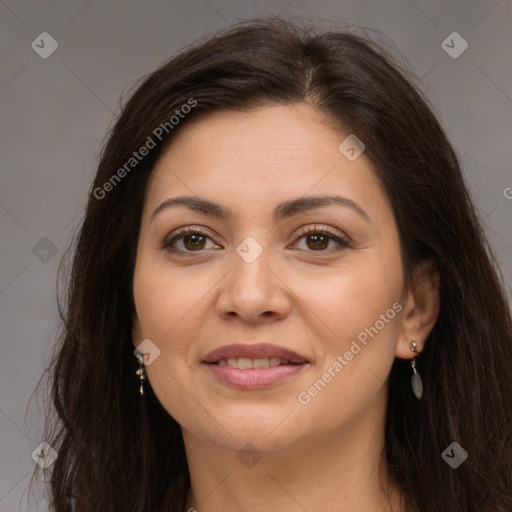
(277, 319)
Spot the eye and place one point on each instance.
(188, 240)
(318, 240)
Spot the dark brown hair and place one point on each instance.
(117, 452)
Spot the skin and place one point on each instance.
(299, 293)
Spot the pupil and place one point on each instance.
(195, 239)
(324, 240)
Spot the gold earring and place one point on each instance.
(416, 383)
(141, 373)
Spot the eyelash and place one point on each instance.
(312, 230)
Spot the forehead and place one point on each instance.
(263, 155)
(291, 133)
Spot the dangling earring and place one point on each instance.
(141, 373)
(417, 385)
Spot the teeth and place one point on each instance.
(244, 363)
(260, 363)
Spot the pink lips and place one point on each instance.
(254, 378)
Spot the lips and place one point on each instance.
(255, 351)
(251, 367)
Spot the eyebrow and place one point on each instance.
(283, 210)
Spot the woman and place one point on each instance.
(281, 296)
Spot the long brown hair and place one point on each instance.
(118, 452)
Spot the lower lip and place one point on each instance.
(252, 378)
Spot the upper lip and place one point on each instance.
(253, 351)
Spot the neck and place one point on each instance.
(338, 470)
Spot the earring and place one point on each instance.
(416, 384)
(141, 373)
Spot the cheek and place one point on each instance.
(357, 308)
(168, 305)
(168, 300)
(349, 299)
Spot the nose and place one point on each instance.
(254, 291)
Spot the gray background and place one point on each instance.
(55, 113)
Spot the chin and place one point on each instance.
(267, 428)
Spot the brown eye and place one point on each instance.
(188, 240)
(194, 242)
(318, 240)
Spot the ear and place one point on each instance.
(421, 309)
